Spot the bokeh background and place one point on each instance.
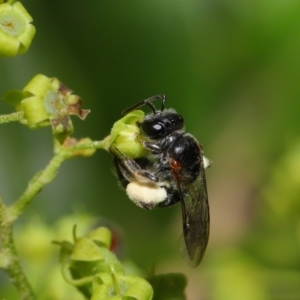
(232, 69)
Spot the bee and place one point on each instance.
(172, 172)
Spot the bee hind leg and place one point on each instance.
(129, 170)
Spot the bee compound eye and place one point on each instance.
(153, 130)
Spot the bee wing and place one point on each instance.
(195, 217)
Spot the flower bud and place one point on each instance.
(124, 136)
(101, 236)
(88, 256)
(117, 286)
(93, 250)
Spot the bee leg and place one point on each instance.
(130, 170)
(152, 147)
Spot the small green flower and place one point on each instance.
(116, 286)
(16, 30)
(101, 236)
(91, 254)
(88, 256)
(124, 136)
(46, 101)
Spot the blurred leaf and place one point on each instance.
(168, 286)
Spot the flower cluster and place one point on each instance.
(89, 265)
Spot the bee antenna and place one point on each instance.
(163, 102)
(149, 103)
(151, 99)
(151, 106)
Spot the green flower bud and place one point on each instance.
(41, 106)
(88, 258)
(123, 137)
(117, 286)
(101, 236)
(16, 30)
(46, 101)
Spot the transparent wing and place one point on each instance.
(195, 217)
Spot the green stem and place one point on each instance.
(47, 175)
(16, 116)
(41, 179)
(65, 269)
(115, 281)
(9, 260)
(103, 144)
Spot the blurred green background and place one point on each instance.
(232, 69)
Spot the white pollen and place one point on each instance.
(207, 163)
(146, 194)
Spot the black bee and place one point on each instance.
(172, 172)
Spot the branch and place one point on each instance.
(9, 260)
(41, 179)
(17, 116)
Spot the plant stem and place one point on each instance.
(16, 116)
(9, 260)
(47, 175)
(35, 185)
